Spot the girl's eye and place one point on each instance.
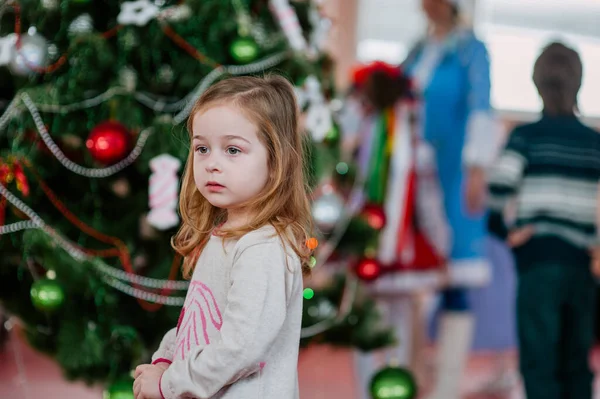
(233, 151)
(202, 149)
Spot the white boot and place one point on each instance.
(365, 365)
(454, 344)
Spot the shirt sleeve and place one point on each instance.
(255, 312)
(483, 133)
(164, 353)
(505, 180)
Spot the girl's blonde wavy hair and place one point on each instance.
(270, 103)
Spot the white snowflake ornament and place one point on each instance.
(138, 12)
(318, 121)
(318, 116)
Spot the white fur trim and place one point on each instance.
(402, 283)
(483, 139)
(470, 273)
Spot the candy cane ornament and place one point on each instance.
(163, 192)
(287, 18)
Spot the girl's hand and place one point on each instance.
(142, 367)
(147, 381)
(520, 236)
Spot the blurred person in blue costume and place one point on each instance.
(451, 70)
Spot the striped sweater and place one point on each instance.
(550, 170)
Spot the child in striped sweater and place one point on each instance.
(552, 168)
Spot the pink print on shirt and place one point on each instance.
(200, 301)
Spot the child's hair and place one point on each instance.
(270, 103)
(557, 74)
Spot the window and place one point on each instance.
(516, 31)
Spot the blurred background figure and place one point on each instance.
(451, 70)
(552, 167)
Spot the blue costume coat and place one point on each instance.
(457, 122)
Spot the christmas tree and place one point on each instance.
(94, 100)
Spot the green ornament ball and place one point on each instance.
(244, 50)
(393, 383)
(47, 295)
(333, 134)
(122, 389)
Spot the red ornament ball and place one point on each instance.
(108, 142)
(368, 269)
(375, 216)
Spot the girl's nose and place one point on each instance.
(212, 165)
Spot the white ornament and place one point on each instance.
(50, 4)
(162, 192)
(318, 117)
(128, 79)
(327, 210)
(81, 24)
(285, 14)
(138, 12)
(320, 30)
(7, 48)
(30, 56)
(318, 121)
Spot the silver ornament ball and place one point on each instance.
(327, 210)
(32, 54)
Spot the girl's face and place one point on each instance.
(230, 162)
(437, 11)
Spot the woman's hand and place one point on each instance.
(476, 190)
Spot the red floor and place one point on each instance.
(324, 373)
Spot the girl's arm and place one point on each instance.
(164, 353)
(255, 313)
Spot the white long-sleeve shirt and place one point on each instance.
(239, 330)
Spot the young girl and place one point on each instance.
(246, 215)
